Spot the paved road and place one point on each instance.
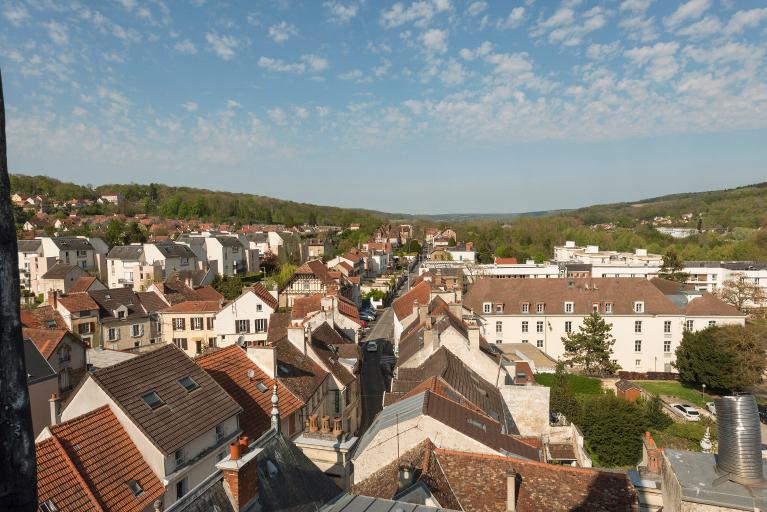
(374, 382)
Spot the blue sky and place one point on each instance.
(430, 106)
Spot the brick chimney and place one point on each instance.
(651, 455)
(511, 491)
(423, 311)
(265, 358)
(55, 404)
(52, 298)
(240, 472)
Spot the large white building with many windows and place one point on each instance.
(648, 317)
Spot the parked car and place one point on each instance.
(367, 317)
(372, 346)
(762, 413)
(710, 407)
(686, 411)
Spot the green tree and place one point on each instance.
(729, 358)
(115, 233)
(590, 347)
(672, 268)
(654, 415)
(613, 429)
(561, 397)
(312, 219)
(134, 233)
(286, 272)
(228, 286)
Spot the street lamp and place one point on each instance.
(704, 392)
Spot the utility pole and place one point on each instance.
(18, 472)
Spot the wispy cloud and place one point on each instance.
(225, 46)
(282, 31)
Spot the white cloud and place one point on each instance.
(382, 69)
(355, 74)
(514, 19)
(659, 60)
(420, 13)
(510, 63)
(340, 13)
(603, 51)
(282, 31)
(223, 45)
(639, 28)
(308, 64)
(566, 28)
(186, 47)
(484, 49)
(232, 104)
(703, 28)
(746, 19)
(322, 111)
(476, 8)
(129, 34)
(58, 32)
(15, 13)
(691, 10)
(638, 6)
(128, 5)
(453, 74)
(301, 113)
(278, 116)
(190, 106)
(435, 40)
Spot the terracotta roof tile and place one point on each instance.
(324, 341)
(710, 305)
(46, 340)
(194, 306)
(403, 305)
(43, 317)
(229, 367)
(83, 284)
(298, 372)
(302, 306)
(263, 294)
(74, 302)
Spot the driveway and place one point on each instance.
(373, 378)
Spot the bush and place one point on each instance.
(653, 411)
(613, 429)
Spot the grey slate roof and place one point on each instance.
(126, 252)
(352, 503)
(730, 265)
(71, 243)
(113, 298)
(38, 368)
(60, 271)
(29, 245)
(403, 410)
(229, 241)
(174, 250)
(297, 486)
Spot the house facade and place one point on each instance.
(190, 325)
(246, 319)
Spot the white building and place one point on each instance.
(170, 256)
(640, 263)
(127, 267)
(225, 253)
(709, 275)
(87, 253)
(246, 318)
(648, 318)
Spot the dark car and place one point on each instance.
(762, 413)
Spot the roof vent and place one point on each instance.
(739, 435)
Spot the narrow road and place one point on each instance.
(373, 379)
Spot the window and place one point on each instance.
(85, 328)
(637, 345)
(524, 341)
(498, 342)
(540, 307)
(113, 333)
(347, 395)
(608, 307)
(637, 362)
(135, 488)
(179, 457)
(136, 330)
(638, 326)
(487, 307)
(306, 286)
(667, 346)
(48, 506)
(526, 307)
(210, 323)
(180, 343)
(756, 280)
(337, 400)
(539, 343)
(259, 307)
(667, 326)
(212, 342)
(711, 323)
(568, 326)
(538, 326)
(64, 354)
(713, 277)
(498, 326)
(180, 489)
(689, 325)
(220, 432)
(196, 323)
(261, 324)
(152, 399)
(184, 262)
(179, 324)
(638, 307)
(121, 314)
(569, 306)
(499, 308)
(524, 326)
(243, 326)
(188, 383)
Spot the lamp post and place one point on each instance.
(704, 393)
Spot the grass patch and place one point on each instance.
(674, 388)
(684, 435)
(578, 384)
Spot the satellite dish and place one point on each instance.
(251, 373)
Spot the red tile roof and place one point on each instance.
(302, 306)
(43, 317)
(710, 305)
(505, 261)
(46, 340)
(86, 465)
(82, 285)
(403, 306)
(263, 294)
(194, 306)
(229, 367)
(207, 292)
(74, 302)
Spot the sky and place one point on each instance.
(431, 106)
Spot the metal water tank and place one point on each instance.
(740, 439)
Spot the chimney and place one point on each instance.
(431, 339)
(511, 491)
(325, 424)
(456, 309)
(55, 404)
(337, 427)
(297, 337)
(406, 474)
(240, 472)
(423, 311)
(52, 298)
(651, 455)
(265, 358)
(473, 336)
(313, 423)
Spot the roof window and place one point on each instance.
(48, 506)
(262, 387)
(188, 383)
(152, 399)
(135, 487)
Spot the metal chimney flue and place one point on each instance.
(740, 440)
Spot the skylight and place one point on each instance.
(262, 387)
(135, 487)
(48, 506)
(152, 399)
(188, 383)
(475, 423)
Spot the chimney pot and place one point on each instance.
(234, 451)
(313, 424)
(325, 424)
(55, 405)
(406, 474)
(243, 445)
(337, 426)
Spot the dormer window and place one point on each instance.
(135, 487)
(608, 307)
(525, 307)
(499, 308)
(638, 307)
(540, 307)
(569, 307)
(595, 307)
(487, 307)
(152, 399)
(121, 314)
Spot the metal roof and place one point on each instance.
(403, 410)
(352, 503)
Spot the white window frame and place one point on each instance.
(136, 330)
(667, 327)
(487, 307)
(569, 307)
(539, 326)
(525, 307)
(540, 308)
(261, 324)
(196, 321)
(498, 326)
(608, 307)
(568, 326)
(637, 345)
(525, 326)
(638, 306)
(637, 327)
(539, 343)
(113, 334)
(666, 346)
(689, 325)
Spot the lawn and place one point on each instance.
(674, 388)
(579, 384)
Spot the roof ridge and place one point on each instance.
(554, 467)
(81, 480)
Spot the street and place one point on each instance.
(372, 378)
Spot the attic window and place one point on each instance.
(48, 506)
(262, 387)
(107, 296)
(152, 399)
(188, 383)
(451, 394)
(494, 415)
(135, 487)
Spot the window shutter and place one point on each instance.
(183, 325)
